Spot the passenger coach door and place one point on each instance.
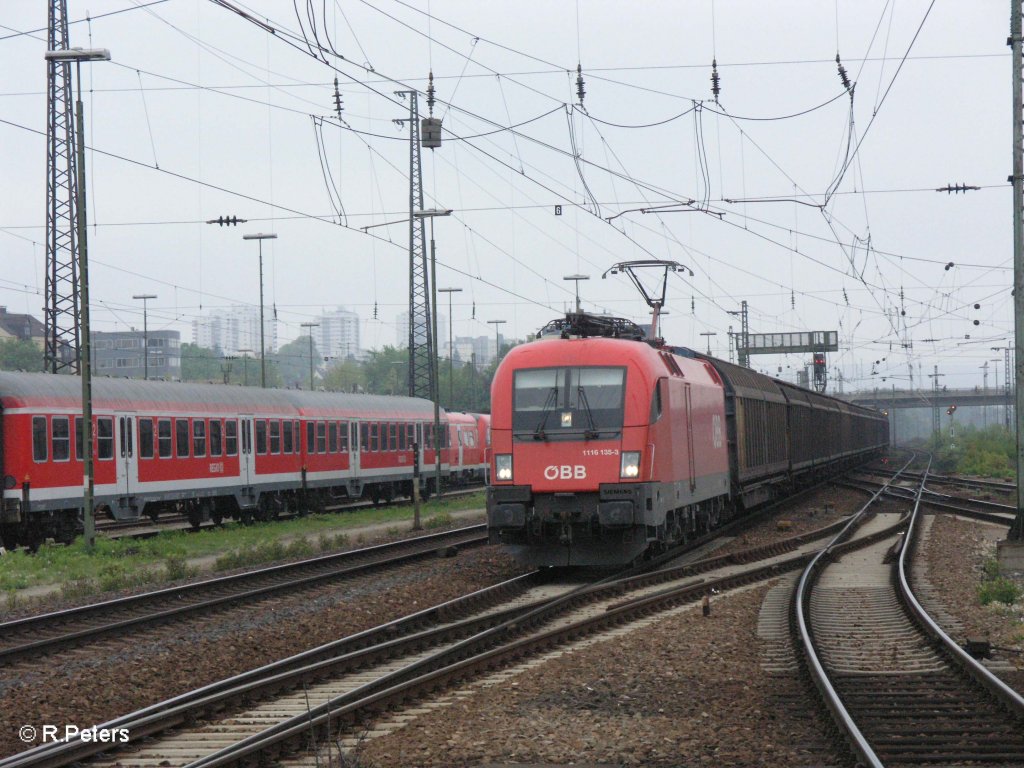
(127, 461)
(353, 447)
(246, 470)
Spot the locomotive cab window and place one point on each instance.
(568, 403)
(660, 392)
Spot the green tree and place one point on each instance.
(344, 376)
(17, 355)
(200, 364)
(293, 363)
(387, 371)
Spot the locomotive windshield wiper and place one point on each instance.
(581, 395)
(549, 404)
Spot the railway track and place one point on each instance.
(977, 509)
(900, 690)
(145, 528)
(50, 632)
(266, 714)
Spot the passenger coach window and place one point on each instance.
(402, 435)
(364, 437)
(332, 437)
(215, 432)
(287, 438)
(275, 436)
(231, 437)
(105, 438)
(199, 437)
(374, 437)
(321, 437)
(163, 427)
(410, 435)
(145, 438)
(310, 437)
(79, 436)
(181, 438)
(343, 436)
(261, 436)
(393, 437)
(61, 438)
(39, 438)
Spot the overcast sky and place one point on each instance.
(205, 113)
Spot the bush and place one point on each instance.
(176, 568)
(998, 590)
(440, 520)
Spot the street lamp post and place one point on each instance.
(576, 279)
(260, 237)
(451, 350)
(145, 330)
(78, 55)
(431, 214)
(497, 337)
(310, 326)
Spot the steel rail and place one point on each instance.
(1002, 516)
(461, 663)
(801, 604)
(1004, 693)
(188, 706)
(422, 546)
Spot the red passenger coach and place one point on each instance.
(601, 447)
(209, 451)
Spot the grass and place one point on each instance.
(125, 563)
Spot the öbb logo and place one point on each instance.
(565, 472)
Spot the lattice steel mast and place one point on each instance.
(421, 348)
(61, 312)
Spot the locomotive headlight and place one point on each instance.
(503, 466)
(630, 464)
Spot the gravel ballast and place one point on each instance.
(687, 690)
(102, 680)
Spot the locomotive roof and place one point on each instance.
(20, 389)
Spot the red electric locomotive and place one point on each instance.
(210, 451)
(607, 446)
(603, 446)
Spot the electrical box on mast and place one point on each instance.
(430, 132)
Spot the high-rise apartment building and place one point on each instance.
(234, 329)
(337, 336)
